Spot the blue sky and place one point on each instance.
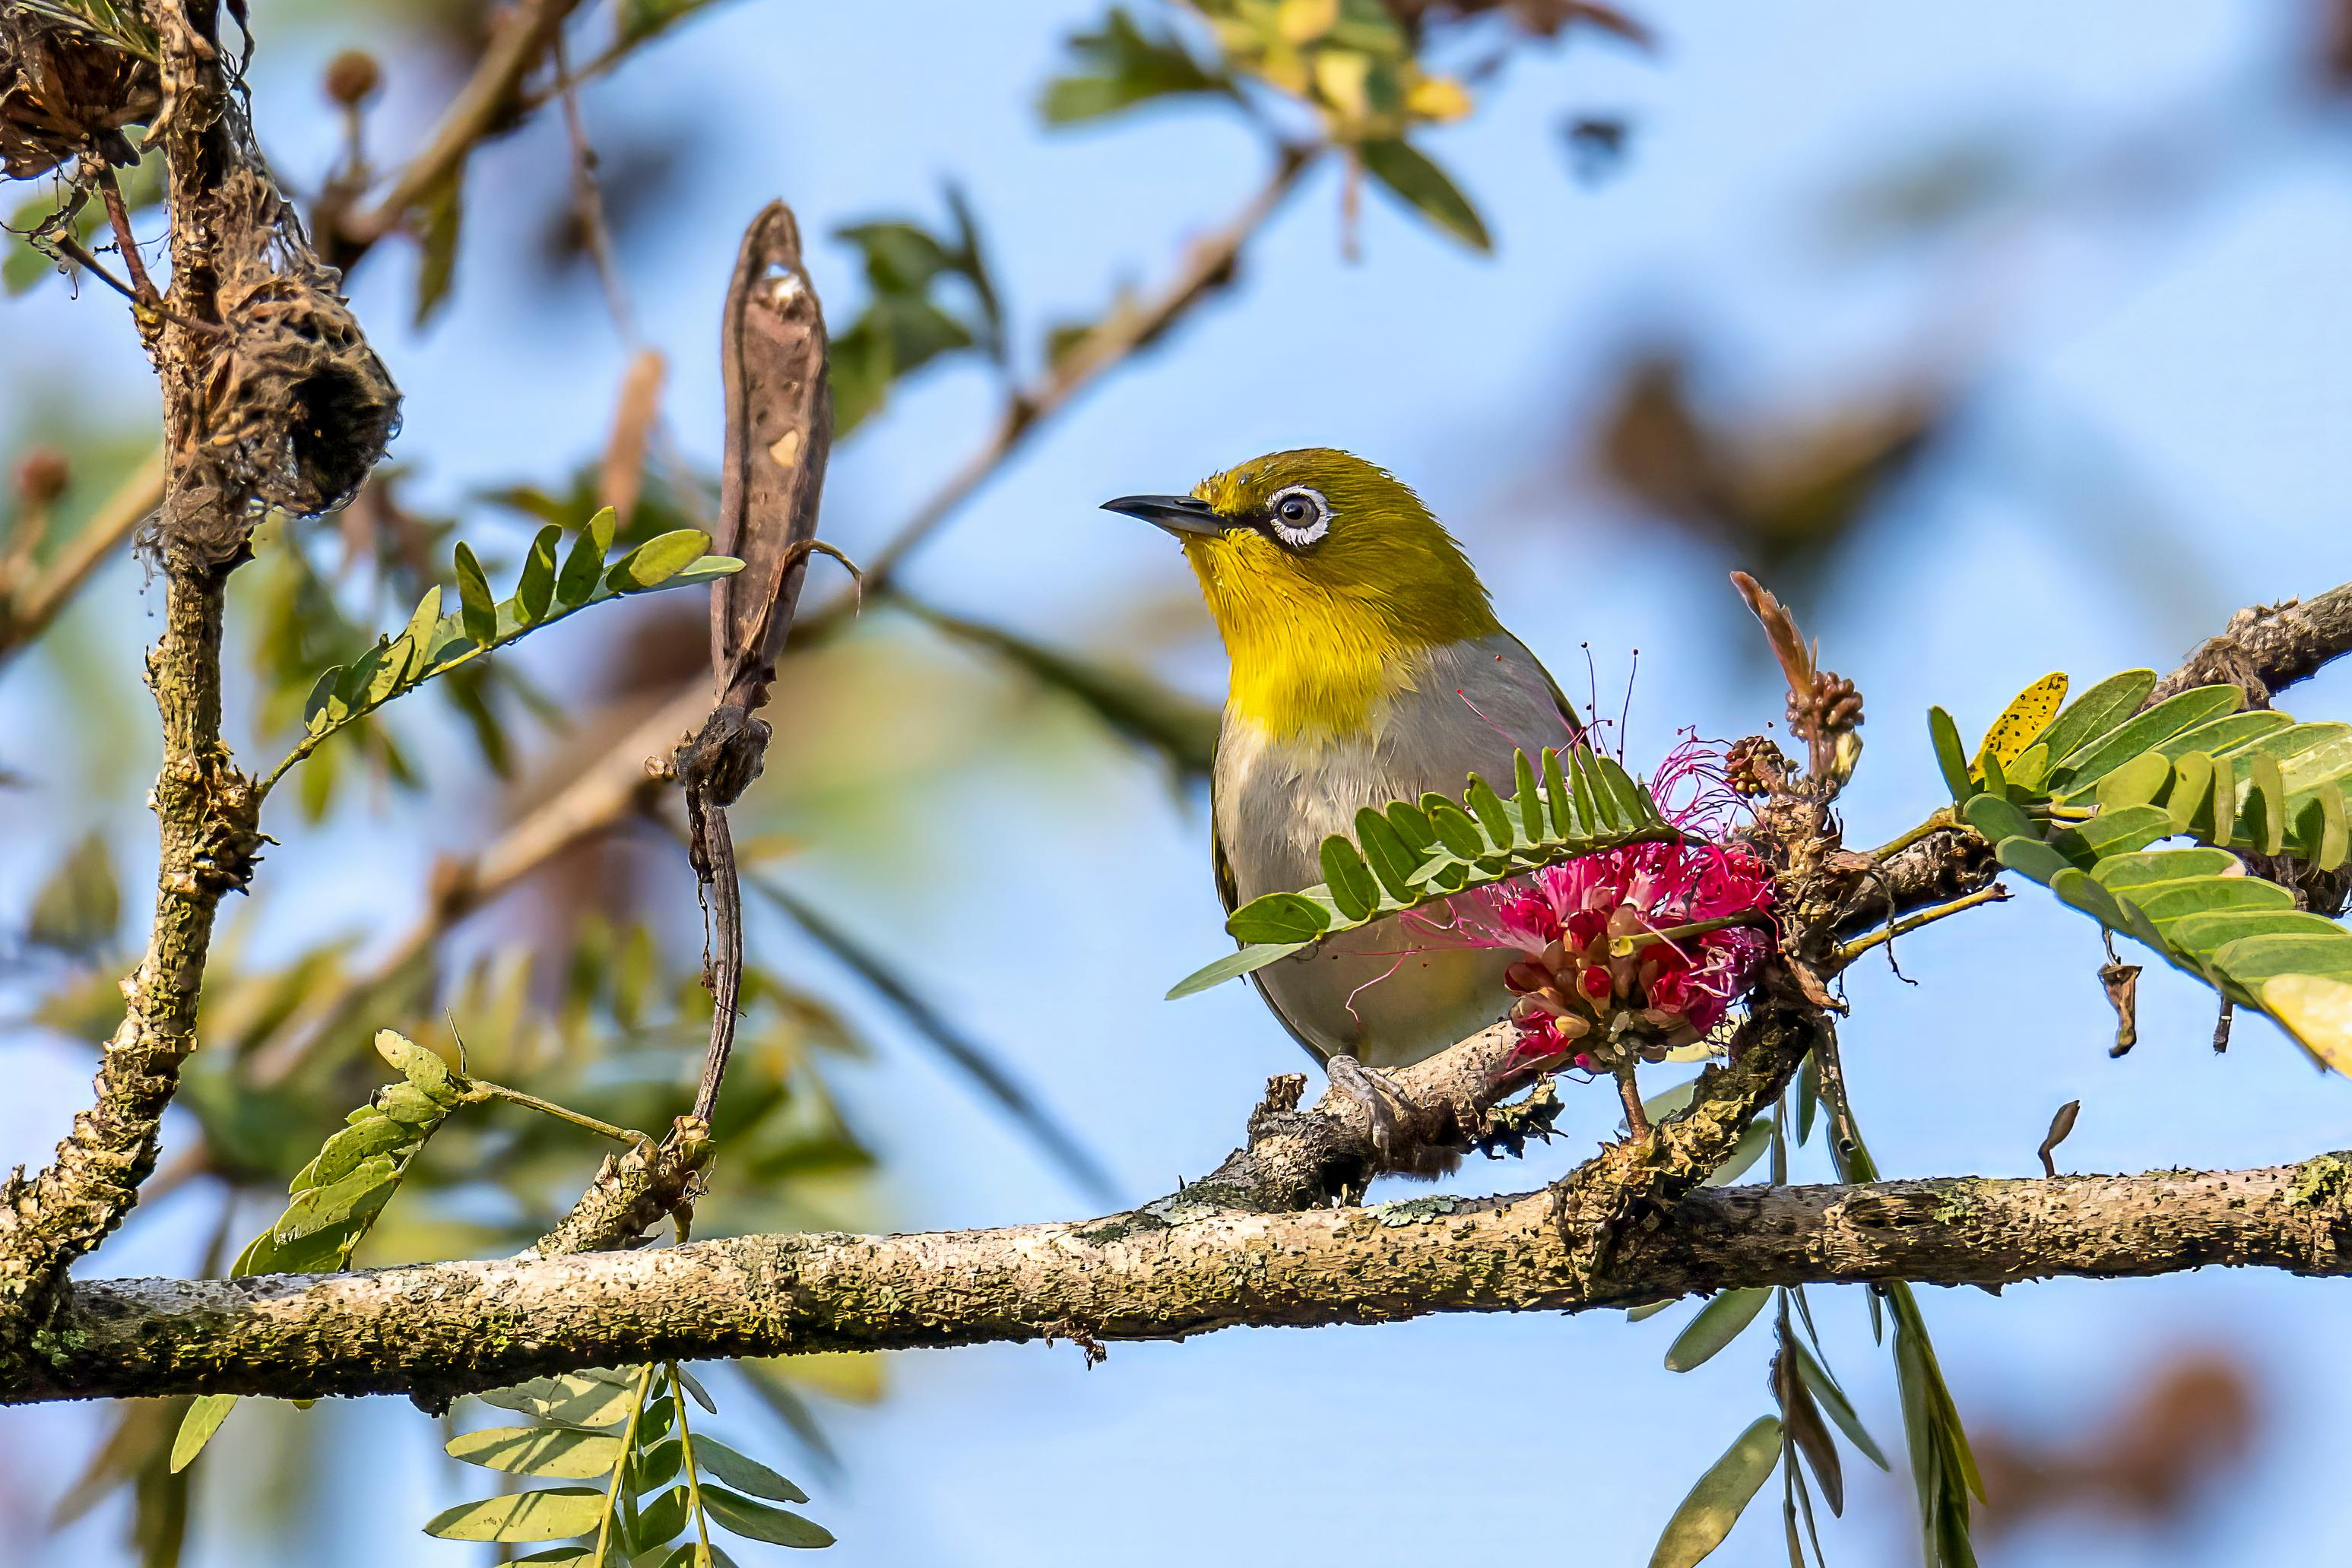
(2150, 437)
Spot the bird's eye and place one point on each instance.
(1300, 515)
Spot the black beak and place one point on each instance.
(1180, 515)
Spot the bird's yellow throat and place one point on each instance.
(1315, 653)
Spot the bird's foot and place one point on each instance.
(1390, 1109)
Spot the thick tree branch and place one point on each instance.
(448, 1327)
(2268, 647)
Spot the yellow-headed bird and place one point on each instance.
(1368, 667)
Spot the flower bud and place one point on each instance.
(42, 476)
(352, 77)
(1524, 976)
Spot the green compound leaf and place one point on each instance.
(332, 1203)
(433, 644)
(1407, 856)
(2193, 766)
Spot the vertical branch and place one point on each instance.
(206, 809)
(270, 397)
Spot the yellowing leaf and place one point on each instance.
(1439, 99)
(2317, 1011)
(2022, 720)
(1304, 21)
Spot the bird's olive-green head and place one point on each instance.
(1325, 575)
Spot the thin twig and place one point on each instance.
(1851, 950)
(588, 198)
(1208, 266)
(563, 1113)
(485, 100)
(1938, 820)
(124, 241)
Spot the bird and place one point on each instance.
(1367, 666)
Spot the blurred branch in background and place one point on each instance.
(975, 1061)
(2173, 1446)
(32, 589)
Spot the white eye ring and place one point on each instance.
(1312, 524)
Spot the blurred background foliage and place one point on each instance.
(987, 724)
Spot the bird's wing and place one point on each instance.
(1229, 894)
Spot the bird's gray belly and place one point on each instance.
(1368, 996)
(1374, 994)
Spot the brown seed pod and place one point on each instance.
(352, 77)
(42, 476)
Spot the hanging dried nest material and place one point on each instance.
(68, 86)
(297, 407)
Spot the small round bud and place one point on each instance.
(352, 77)
(43, 476)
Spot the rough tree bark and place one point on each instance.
(447, 1328)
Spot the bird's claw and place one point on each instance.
(1389, 1107)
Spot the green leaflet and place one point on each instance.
(1951, 758)
(1281, 917)
(563, 1452)
(1833, 1399)
(550, 1514)
(1715, 1503)
(433, 644)
(1232, 966)
(2072, 775)
(655, 1484)
(1408, 174)
(763, 1522)
(1718, 1323)
(1408, 855)
(334, 1201)
(2097, 711)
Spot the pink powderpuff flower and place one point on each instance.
(1579, 999)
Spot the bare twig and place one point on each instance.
(110, 193)
(588, 198)
(1207, 267)
(1854, 949)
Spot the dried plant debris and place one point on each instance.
(73, 73)
(300, 407)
